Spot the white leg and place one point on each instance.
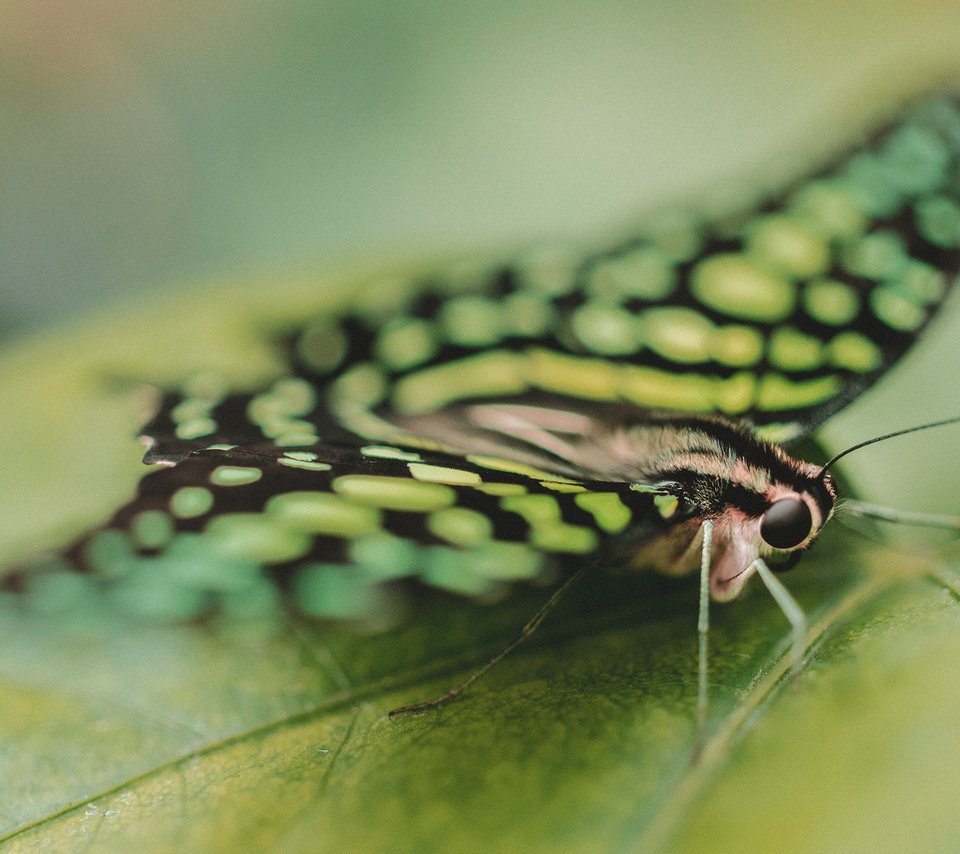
(791, 610)
(703, 629)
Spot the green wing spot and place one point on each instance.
(916, 160)
(442, 474)
(449, 569)
(736, 393)
(334, 592)
(559, 537)
(196, 428)
(787, 246)
(828, 207)
(294, 463)
(562, 486)
(679, 334)
(666, 505)
(735, 286)
(406, 342)
(925, 284)
(498, 372)
(504, 561)
(776, 392)
(645, 273)
(499, 489)
(870, 186)
(605, 329)
(895, 310)
(514, 467)
(938, 220)
(473, 321)
(109, 553)
(321, 347)
(188, 502)
(831, 302)
(394, 493)
(235, 475)
(655, 388)
(151, 529)
(322, 513)
(791, 350)
(736, 345)
(363, 385)
(527, 315)
(609, 511)
(460, 526)
(854, 352)
(880, 255)
(535, 509)
(592, 379)
(386, 452)
(256, 537)
(384, 556)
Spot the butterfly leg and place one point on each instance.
(791, 610)
(703, 633)
(530, 627)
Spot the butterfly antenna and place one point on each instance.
(883, 438)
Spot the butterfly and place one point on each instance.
(500, 424)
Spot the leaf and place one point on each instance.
(274, 735)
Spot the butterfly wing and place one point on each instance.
(778, 315)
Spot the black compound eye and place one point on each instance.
(786, 524)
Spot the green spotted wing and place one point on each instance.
(461, 430)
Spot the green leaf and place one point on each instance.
(274, 735)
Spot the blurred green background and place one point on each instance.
(165, 141)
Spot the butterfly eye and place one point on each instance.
(786, 524)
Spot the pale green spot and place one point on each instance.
(384, 556)
(645, 273)
(388, 452)
(59, 592)
(593, 379)
(498, 372)
(296, 439)
(938, 220)
(828, 208)
(394, 493)
(406, 342)
(855, 352)
(363, 385)
(151, 529)
(605, 329)
(923, 282)
(916, 160)
(736, 393)
(569, 539)
(499, 489)
(666, 505)
(195, 428)
(550, 271)
(504, 561)
(656, 388)
(562, 486)
(735, 286)
(791, 350)
(321, 347)
(442, 474)
(190, 409)
(448, 569)
(788, 246)
(514, 467)
(322, 513)
(220, 446)
(303, 464)
(334, 592)
(255, 537)
(302, 456)
(535, 509)
(472, 321)
(188, 502)
(294, 395)
(678, 334)
(895, 310)
(108, 552)
(736, 345)
(460, 526)
(607, 509)
(879, 255)
(235, 475)
(777, 392)
(870, 186)
(527, 315)
(831, 302)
